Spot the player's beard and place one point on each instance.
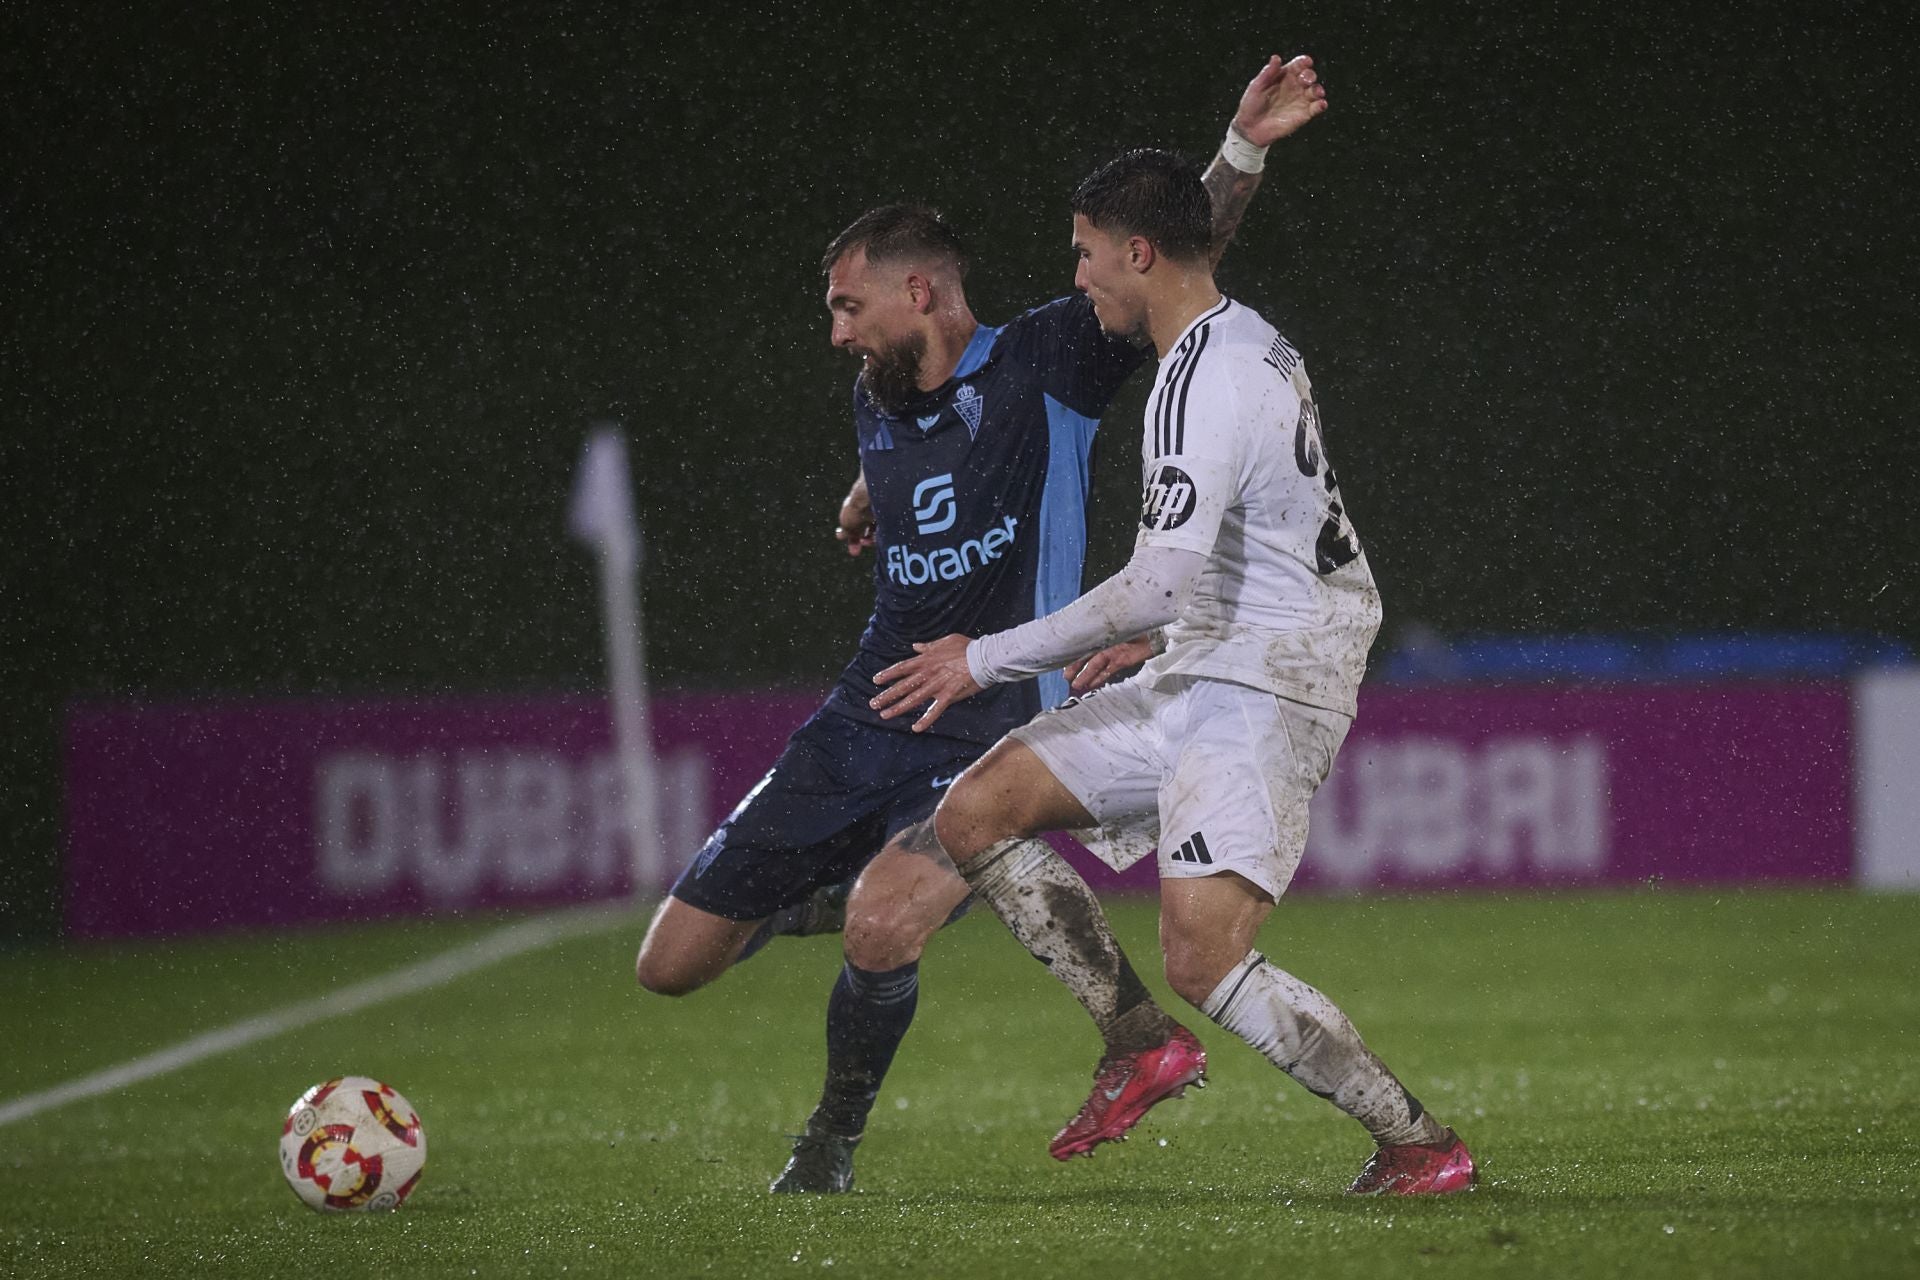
(892, 374)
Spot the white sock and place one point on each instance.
(1050, 909)
(1305, 1035)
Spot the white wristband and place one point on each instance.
(1241, 154)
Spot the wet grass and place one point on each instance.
(1673, 1084)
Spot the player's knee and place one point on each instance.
(882, 935)
(658, 979)
(973, 816)
(1191, 978)
(1194, 967)
(665, 977)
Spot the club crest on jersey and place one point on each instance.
(1169, 499)
(969, 403)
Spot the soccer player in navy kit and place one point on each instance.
(973, 446)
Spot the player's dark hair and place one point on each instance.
(1150, 193)
(897, 232)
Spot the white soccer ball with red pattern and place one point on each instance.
(352, 1144)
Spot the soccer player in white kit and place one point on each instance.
(1250, 588)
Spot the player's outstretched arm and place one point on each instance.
(1087, 674)
(1278, 102)
(855, 529)
(1150, 591)
(936, 676)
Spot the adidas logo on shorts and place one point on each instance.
(1194, 850)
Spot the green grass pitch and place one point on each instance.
(1658, 1082)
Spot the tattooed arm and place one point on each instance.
(855, 529)
(1278, 102)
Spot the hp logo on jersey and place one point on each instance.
(933, 505)
(1169, 499)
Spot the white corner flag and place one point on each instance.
(601, 515)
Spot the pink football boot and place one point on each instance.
(1125, 1087)
(1417, 1169)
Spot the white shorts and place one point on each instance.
(1213, 776)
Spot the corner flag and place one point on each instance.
(601, 515)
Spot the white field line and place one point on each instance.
(504, 944)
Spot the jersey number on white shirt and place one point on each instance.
(1337, 544)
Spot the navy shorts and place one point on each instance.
(837, 793)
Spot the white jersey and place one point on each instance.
(1235, 469)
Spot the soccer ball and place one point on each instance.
(352, 1144)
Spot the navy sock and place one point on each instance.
(867, 1018)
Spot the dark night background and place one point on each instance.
(1610, 309)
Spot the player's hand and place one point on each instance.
(1280, 100)
(854, 533)
(855, 529)
(936, 676)
(1087, 674)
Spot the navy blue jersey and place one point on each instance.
(979, 493)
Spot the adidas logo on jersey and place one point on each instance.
(1193, 849)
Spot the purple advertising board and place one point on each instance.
(1553, 786)
(193, 817)
(182, 818)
